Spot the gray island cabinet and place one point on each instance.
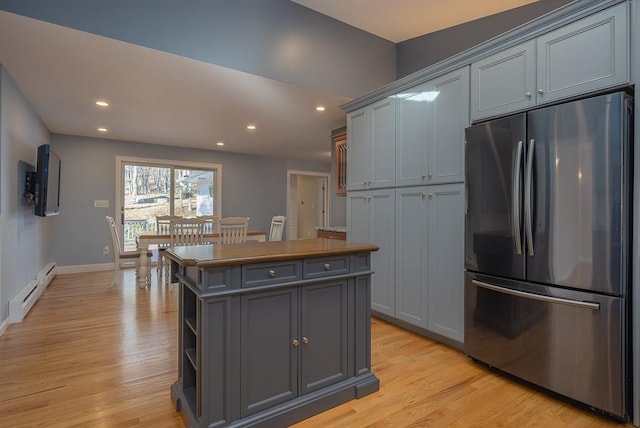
(271, 333)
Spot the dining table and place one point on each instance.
(147, 238)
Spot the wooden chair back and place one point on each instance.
(163, 223)
(277, 227)
(233, 230)
(115, 238)
(211, 223)
(123, 258)
(187, 231)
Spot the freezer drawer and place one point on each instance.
(572, 343)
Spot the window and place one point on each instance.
(148, 188)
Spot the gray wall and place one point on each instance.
(25, 238)
(278, 39)
(252, 186)
(420, 52)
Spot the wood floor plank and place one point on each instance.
(91, 355)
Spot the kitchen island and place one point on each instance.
(271, 332)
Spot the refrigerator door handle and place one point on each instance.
(547, 299)
(515, 209)
(527, 198)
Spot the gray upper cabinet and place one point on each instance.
(430, 122)
(371, 148)
(585, 56)
(357, 150)
(503, 82)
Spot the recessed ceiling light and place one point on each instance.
(251, 127)
(220, 143)
(102, 103)
(320, 108)
(102, 129)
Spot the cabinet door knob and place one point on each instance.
(430, 175)
(327, 266)
(271, 273)
(540, 92)
(424, 176)
(430, 195)
(528, 94)
(305, 340)
(295, 343)
(422, 195)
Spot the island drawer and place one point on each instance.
(325, 266)
(258, 274)
(216, 278)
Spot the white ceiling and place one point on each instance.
(400, 20)
(161, 98)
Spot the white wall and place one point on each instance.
(25, 237)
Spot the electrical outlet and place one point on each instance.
(105, 249)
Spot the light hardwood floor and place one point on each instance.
(90, 355)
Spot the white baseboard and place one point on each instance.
(85, 268)
(98, 267)
(23, 301)
(4, 325)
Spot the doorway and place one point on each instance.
(307, 203)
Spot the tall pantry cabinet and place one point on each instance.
(416, 218)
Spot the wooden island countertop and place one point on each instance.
(255, 252)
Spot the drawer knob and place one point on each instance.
(327, 266)
(295, 343)
(271, 273)
(305, 340)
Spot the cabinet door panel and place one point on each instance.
(358, 224)
(450, 115)
(504, 82)
(357, 153)
(411, 255)
(269, 361)
(383, 137)
(382, 214)
(412, 135)
(585, 56)
(446, 261)
(323, 334)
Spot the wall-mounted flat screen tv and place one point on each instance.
(47, 182)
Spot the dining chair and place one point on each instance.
(233, 230)
(123, 258)
(277, 227)
(184, 231)
(163, 227)
(211, 223)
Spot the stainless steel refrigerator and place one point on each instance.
(547, 247)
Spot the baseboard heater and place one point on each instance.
(22, 302)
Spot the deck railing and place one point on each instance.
(131, 227)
